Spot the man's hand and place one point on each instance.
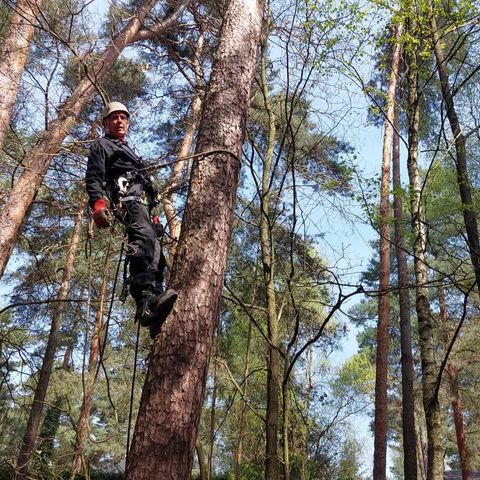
(157, 226)
(101, 214)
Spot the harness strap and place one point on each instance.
(130, 198)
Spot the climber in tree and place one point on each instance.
(116, 173)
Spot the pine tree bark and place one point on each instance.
(463, 179)
(166, 429)
(31, 432)
(381, 373)
(426, 323)
(13, 56)
(408, 375)
(37, 162)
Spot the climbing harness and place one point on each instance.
(154, 166)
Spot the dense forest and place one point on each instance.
(317, 178)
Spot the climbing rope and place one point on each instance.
(132, 391)
(153, 167)
(105, 338)
(107, 324)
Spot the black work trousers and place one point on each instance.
(146, 259)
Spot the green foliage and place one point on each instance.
(125, 82)
(358, 374)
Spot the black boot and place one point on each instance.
(154, 309)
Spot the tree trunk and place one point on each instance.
(92, 373)
(285, 429)
(381, 374)
(421, 436)
(460, 430)
(408, 375)
(243, 414)
(426, 324)
(13, 56)
(451, 369)
(31, 431)
(166, 429)
(463, 180)
(36, 164)
(201, 461)
(268, 262)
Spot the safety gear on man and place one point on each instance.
(101, 214)
(114, 107)
(157, 225)
(116, 172)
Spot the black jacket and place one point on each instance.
(108, 159)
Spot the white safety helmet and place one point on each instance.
(114, 107)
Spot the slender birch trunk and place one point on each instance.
(33, 423)
(285, 429)
(166, 430)
(426, 324)
(408, 374)
(381, 377)
(201, 461)
(13, 56)
(267, 245)
(243, 414)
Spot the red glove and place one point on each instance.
(157, 226)
(101, 214)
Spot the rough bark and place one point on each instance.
(13, 56)
(381, 373)
(37, 162)
(463, 180)
(426, 324)
(166, 429)
(31, 431)
(408, 375)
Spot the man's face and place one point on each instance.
(116, 125)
